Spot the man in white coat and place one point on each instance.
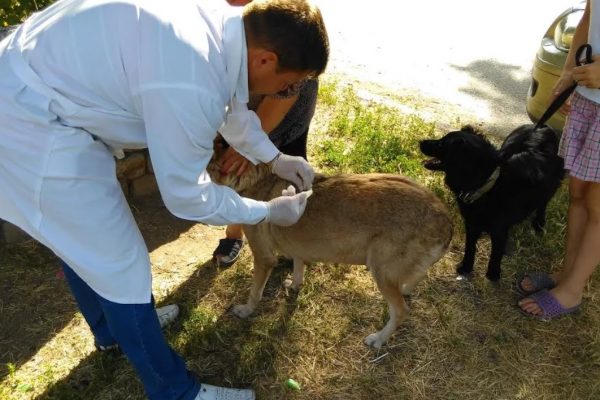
(84, 79)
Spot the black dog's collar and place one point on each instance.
(470, 197)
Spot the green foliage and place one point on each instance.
(369, 137)
(13, 12)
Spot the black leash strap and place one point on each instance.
(556, 104)
(564, 95)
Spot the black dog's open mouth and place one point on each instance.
(433, 164)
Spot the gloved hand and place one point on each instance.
(287, 209)
(294, 169)
(290, 191)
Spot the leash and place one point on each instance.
(470, 197)
(564, 95)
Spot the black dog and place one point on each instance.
(496, 189)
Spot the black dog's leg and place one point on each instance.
(465, 267)
(499, 239)
(539, 219)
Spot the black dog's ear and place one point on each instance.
(469, 129)
(472, 129)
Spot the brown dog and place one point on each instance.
(395, 227)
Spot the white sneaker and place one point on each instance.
(167, 314)
(209, 392)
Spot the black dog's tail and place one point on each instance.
(533, 152)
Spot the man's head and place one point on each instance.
(287, 42)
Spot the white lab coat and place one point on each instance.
(85, 78)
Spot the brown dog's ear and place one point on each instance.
(218, 147)
(253, 174)
(214, 166)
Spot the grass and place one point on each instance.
(463, 339)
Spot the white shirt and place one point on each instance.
(151, 73)
(84, 75)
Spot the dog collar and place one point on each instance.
(470, 197)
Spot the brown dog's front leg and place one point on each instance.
(262, 271)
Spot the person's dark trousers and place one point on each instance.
(297, 147)
(136, 329)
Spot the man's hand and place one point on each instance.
(294, 169)
(233, 162)
(287, 209)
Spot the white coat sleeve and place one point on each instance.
(242, 130)
(181, 124)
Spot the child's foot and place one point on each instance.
(531, 282)
(547, 304)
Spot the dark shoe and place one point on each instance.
(539, 281)
(227, 252)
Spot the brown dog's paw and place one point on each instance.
(374, 340)
(242, 311)
(291, 285)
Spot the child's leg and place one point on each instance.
(577, 217)
(234, 232)
(569, 290)
(576, 224)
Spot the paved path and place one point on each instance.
(471, 55)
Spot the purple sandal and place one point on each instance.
(551, 308)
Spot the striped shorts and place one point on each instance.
(580, 142)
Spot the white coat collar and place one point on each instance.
(236, 56)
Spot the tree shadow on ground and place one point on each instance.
(222, 352)
(37, 304)
(503, 87)
(35, 301)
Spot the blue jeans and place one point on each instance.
(135, 328)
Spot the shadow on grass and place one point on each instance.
(99, 372)
(37, 304)
(35, 301)
(223, 350)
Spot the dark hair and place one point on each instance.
(292, 29)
